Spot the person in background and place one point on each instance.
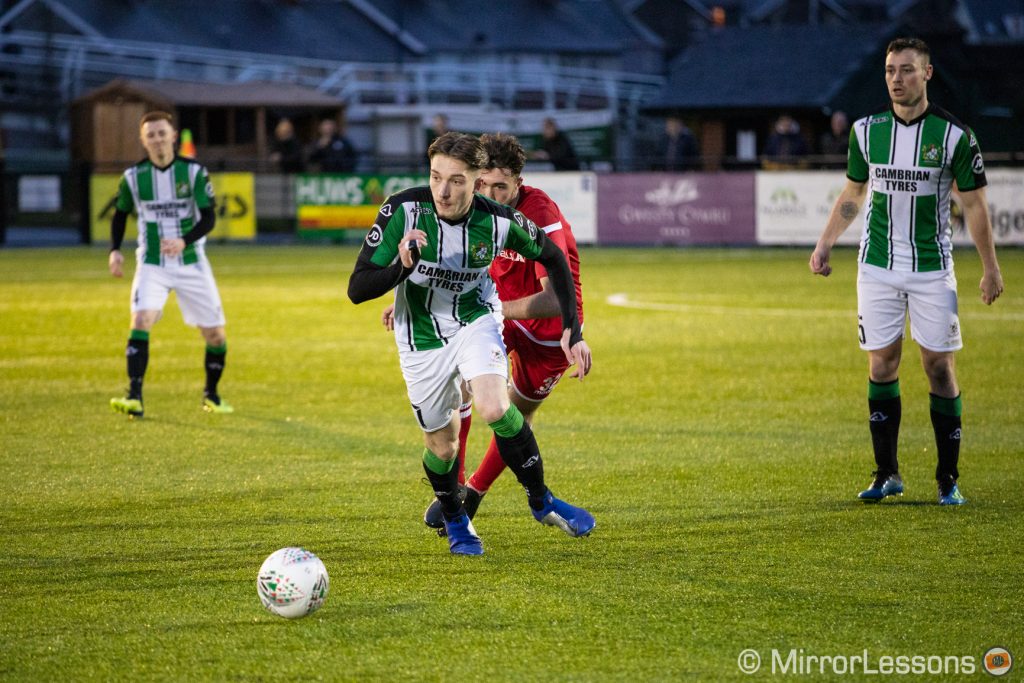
(836, 141)
(557, 148)
(333, 152)
(786, 147)
(286, 148)
(678, 150)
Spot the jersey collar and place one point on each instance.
(918, 119)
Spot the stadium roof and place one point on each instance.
(768, 67)
(252, 94)
(363, 30)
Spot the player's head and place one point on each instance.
(501, 178)
(158, 135)
(907, 71)
(456, 161)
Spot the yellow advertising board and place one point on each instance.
(236, 206)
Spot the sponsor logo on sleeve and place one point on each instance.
(977, 164)
(385, 210)
(374, 237)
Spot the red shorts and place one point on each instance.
(536, 368)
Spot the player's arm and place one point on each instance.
(846, 208)
(534, 244)
(203, 193)
(543, 304)
(847, 204)
(122, 206)
(979, 224)
(387, 257)
(969, 173)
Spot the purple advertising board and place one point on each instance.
(675, 209)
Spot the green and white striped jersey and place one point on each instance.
(450, 286)
(910, 167)
(167, 202)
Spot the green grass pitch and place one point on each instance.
(719, 442)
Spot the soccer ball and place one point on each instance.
(292, 583)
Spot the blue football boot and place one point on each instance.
(462, 538)
(569, 518)
(949, 493)
(885, 484)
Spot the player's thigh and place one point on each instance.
(198, 296)
(151, 286)
(881, 307)
(934, 311)
(480, 350)
(433, 386)
(536, 369)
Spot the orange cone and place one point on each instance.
(188, 148)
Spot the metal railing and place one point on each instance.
(76, 63)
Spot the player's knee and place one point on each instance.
(214, 336)
(491, 409)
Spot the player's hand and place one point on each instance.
(991, 286)
(819, 261)
(172, 247)
(409, 247)
(578, 355)
(388, 318)
(115, 262)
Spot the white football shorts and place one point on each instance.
(193, 284)
(886, 297)
(434, 378)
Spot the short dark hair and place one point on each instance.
(465, 148)
(504, 151)
(900, 44)
(156, 116)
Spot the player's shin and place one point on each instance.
(946, 414)
(214, 364)
(444, 479)
(519, 450)
(885, 410)
(466, 421)
(137, 353)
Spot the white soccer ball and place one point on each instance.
(292, 583)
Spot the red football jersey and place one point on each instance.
(517, 277)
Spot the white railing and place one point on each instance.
(84, 62)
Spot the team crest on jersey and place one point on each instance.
(181, 189)
(480, 255)
(931, 155)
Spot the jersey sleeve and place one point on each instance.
(856, 163)
(202, 190)
(968, 166)
(124, 202)
(524, 236)
(381, 244)
(558, 237)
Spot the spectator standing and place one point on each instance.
(333, 153)
(286, 148)
(556, 148)
(836, 141)
(786, 147)
(679, 149)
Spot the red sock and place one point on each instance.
(466, 413)
(490, 469)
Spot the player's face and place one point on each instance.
(158, 138)
(906, 75)
(452, 184)
(500, 185)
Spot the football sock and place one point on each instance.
(519, 450)
(444, 480)
(466, 415)
(214, 362)
(137, 353)
(885, 409)
(489, 470)
(946, 414)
